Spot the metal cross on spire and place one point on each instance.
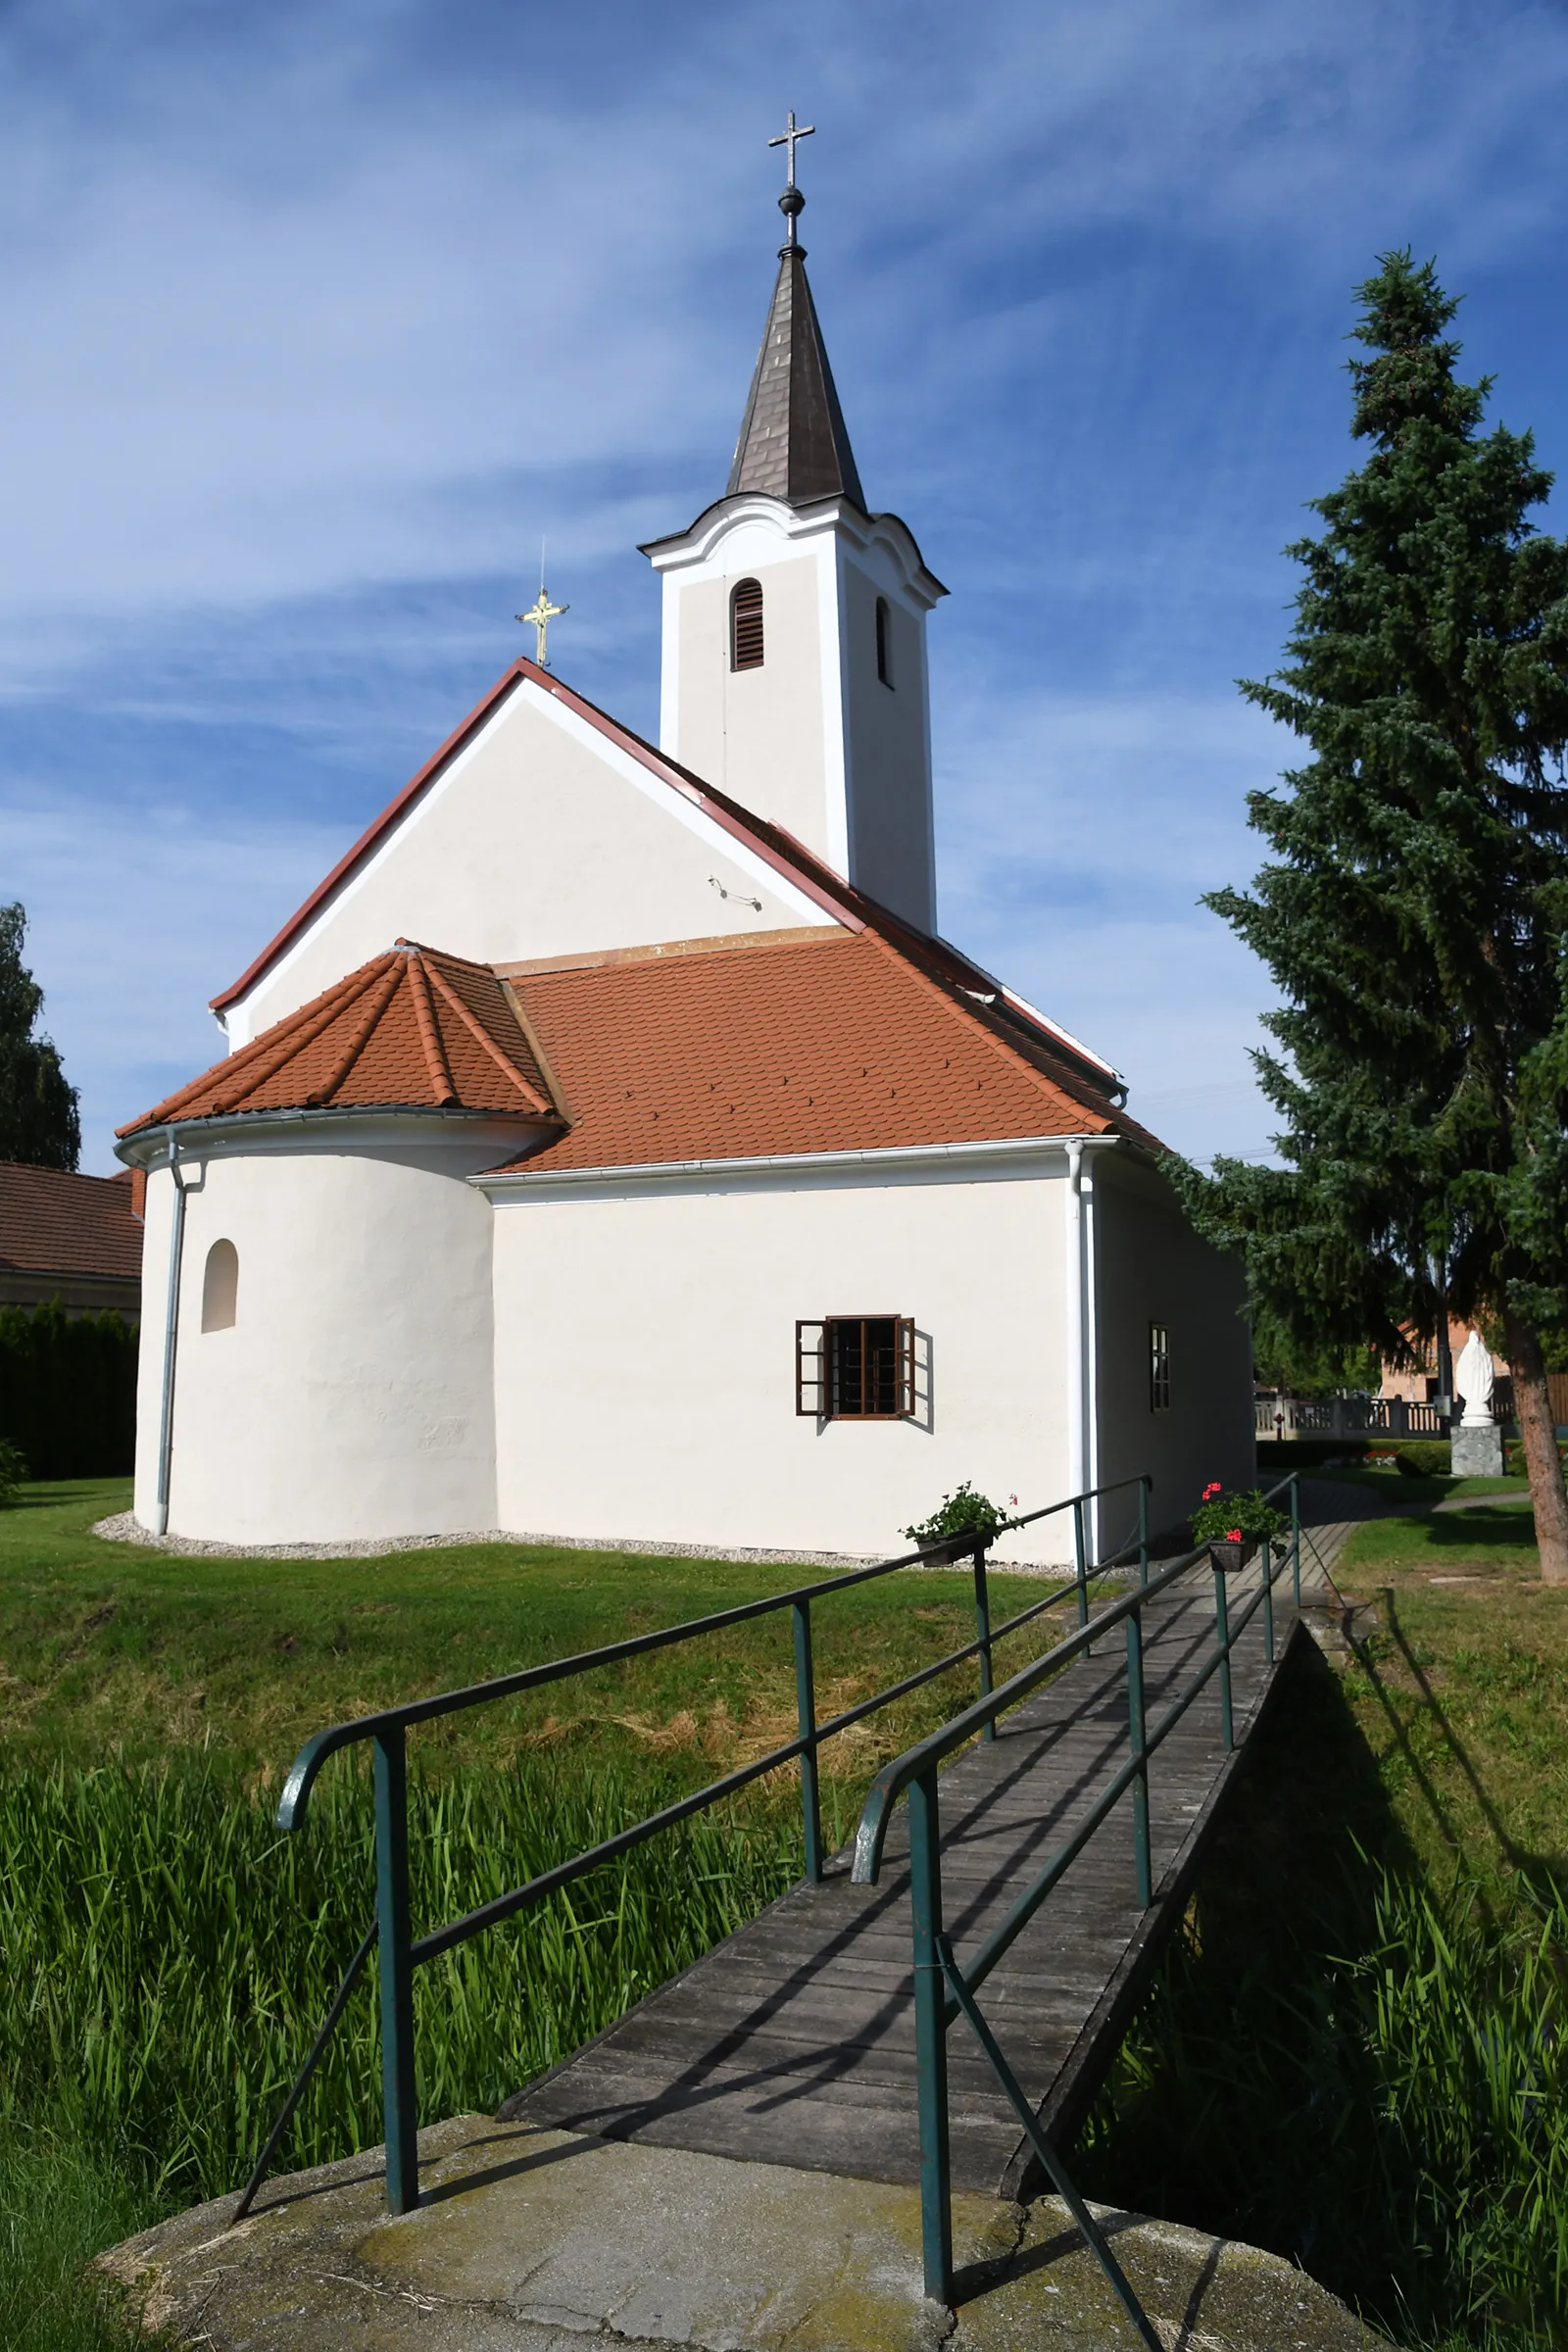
(541, 614)
(791, 202)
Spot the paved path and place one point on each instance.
(537, 2241)
(792, 2044)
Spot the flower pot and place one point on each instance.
(945, 1551)
(1233, 1556)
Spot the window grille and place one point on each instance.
(884, 640)
(1158, 1368)
(746, 626)
(855, 1368)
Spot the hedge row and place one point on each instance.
(68, 1391)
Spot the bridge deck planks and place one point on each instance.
(793, 2042)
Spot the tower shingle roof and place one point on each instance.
(792, 443)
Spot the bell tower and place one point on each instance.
(794, 674)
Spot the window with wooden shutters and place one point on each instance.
(746, 626)
(855, 1368)
(884, 640)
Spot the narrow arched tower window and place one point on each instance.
(884, 640)
(746, 626)
(221, 1287)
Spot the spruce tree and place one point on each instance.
(38, 1116)
(1414, 910)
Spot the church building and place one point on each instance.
(612, 1147)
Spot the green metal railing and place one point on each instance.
(942, 1990)
(390, 1932)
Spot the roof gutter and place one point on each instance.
(886, 1158)
(139, 1149)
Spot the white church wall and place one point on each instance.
(1151, 1267)
(645, 1354)
(353, 1393)
(539, 837)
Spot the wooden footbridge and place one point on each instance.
(1044, 1865)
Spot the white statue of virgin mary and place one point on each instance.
(1473, 1378)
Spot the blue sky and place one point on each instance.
(319, 316)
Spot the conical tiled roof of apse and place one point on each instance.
(411, 1029)
(793, 441)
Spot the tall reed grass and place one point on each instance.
(1396, 2118)
(1391, 2109)
(59, 2202)
(168, 1954)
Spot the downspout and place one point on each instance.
(165, 1425)
(1077, 1323)
(1087, 1189)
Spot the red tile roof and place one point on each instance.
(53, 1222)
(413, 1029)
(776, 846)
(822, 1041)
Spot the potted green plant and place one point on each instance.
(952, 1527)
(1233, 1526)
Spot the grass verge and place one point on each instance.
(1350, 2054)
(1353, 2052)
(174, 1955)
(106, 1648)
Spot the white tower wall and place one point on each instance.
(814, 738)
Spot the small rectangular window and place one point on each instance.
(1158, 1368)
(884, 640)
(855, 1368)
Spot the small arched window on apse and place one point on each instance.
(745, 625)
(884, 640)
(221, 1287)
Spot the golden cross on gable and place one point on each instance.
(541, 614)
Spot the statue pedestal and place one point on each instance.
(1477, 1450)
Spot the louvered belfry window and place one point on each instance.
(855, 1368)
(746, 626)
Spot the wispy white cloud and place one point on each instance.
(316, 317)
(284, 309)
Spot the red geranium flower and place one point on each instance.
(1233, 1535)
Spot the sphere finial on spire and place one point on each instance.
(792, 203)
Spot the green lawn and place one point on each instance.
(1406, 1492)
(1344, 2055)
(108, 1649)
(178, 1958)
(1462, 1690)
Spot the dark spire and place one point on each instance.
(793, 441)
(793, 444)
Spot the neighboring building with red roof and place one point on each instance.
(610, 1147)
(74, 1239)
